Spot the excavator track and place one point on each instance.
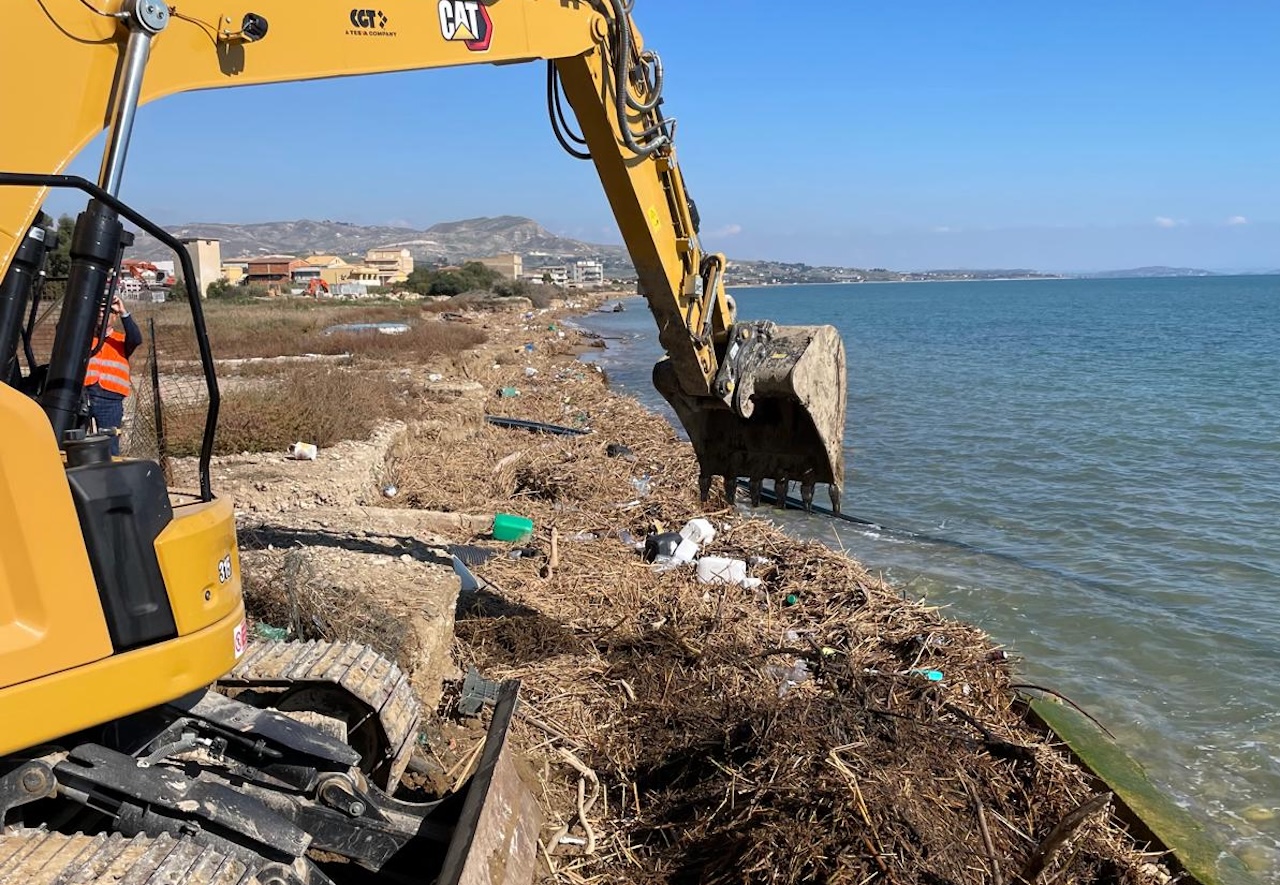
(378, 684)
(37, 857)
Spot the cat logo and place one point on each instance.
(467, 21)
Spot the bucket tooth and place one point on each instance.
(806, 495)
(730, 489)
(834, 491)
(780, 488)
(704, 485)
(755, 487)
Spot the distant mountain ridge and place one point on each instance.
(1144, 272)
(449, 242)
(453, 242)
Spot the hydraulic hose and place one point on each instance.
(621, 65)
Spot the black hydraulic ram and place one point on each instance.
(101, 197)
(15, 292)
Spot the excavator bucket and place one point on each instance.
(784, 416)
(496, 837)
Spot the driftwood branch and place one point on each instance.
(1058, 836)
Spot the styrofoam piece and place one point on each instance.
(721, 570)
(699, 531)
(686, 552)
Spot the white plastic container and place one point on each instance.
(699, 531)
(301, 451)
(721, 570)
(686, 552)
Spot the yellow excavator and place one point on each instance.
(144, 737)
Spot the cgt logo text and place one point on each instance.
(466, 21)
(368, 23)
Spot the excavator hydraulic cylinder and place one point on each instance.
(15, 292)
(95, 248)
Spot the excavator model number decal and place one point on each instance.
(467, 21)
(240, 639)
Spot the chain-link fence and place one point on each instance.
(164, 415)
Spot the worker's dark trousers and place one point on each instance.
(107, 409)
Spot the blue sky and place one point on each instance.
(1067, 136)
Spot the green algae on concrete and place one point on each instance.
(1148, 811)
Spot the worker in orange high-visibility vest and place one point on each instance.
(107, 380)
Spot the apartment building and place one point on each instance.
(588, 272)
(509, 264)
(393, 265)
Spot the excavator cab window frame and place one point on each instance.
(73, 182)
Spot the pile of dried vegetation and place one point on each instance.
(818, 728)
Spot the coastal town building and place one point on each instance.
(206, 260)
(273, 271)
(330, 269)
(556, 274)
(509, 264)
(393, 265)
(234, 270)
(588, 272)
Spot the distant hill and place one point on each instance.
(1158, 271)
(448, 243)
(453, 242)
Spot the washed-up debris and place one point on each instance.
(510, 527)
(721, 570)
(470, 554)
(270, 633)
(469, 582)
(699, 531)
(661, 684)
(390, 490)
(530, 371)
(615, 450)
(789, 677)
(357, 328)
(435, 376)
(301, 451)
(476, 693)
(660, 544)
(534, 426)
(509, 392)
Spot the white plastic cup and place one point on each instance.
(301, 451)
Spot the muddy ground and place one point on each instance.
(816, 727)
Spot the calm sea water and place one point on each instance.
(1090, 471)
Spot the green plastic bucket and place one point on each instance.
(509, 527)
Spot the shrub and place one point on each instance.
(317, 404)
(294, 327)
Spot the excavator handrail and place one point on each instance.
(31, 179)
